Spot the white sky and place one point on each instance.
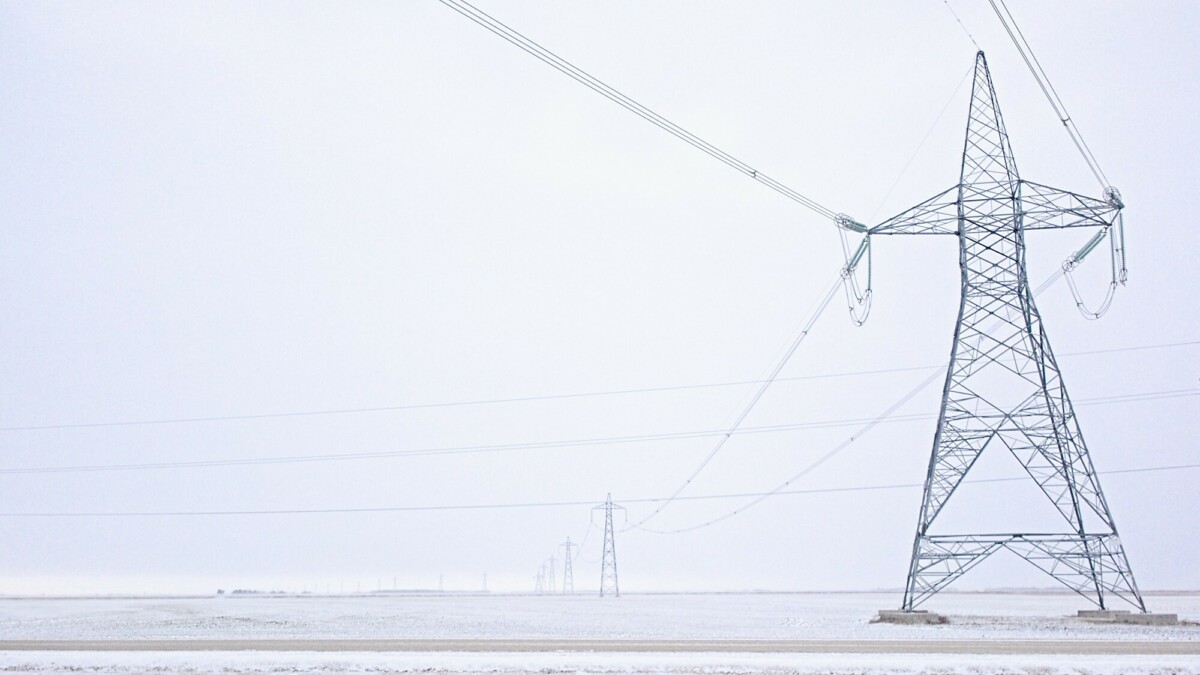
(227, 209)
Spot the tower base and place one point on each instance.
(900, 616)
(1125, 616)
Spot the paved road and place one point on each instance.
(1094, 647)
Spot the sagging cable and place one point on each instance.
(1115, 233)
(858, 296)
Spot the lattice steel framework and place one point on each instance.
(568, 568)
(608, 563)
(1004, 386)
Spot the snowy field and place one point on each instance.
(563, 663)
(749, 616)
(843, 616)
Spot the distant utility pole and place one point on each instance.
(539, 580)
(551, 584)
(608, 563)
(568, 574)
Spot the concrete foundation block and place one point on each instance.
(1148, 619)
(919, 616)
(1102, 614)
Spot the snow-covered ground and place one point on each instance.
(829, 616)
(762, 616)
(556, 663)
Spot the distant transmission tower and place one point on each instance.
(551, 584)
(1004, 388)
(568, 587)
(608, 562)
(539, 580)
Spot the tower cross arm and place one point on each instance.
(1045, 208)
(936, 215)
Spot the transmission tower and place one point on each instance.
(1004, 388)
(568, 572)
(608, 562)
(539, 580)
(551, 584)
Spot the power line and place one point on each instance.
(866, 428)
(1043, 81)
(899, 486)
(546, 504)
(925, 138)
(888, 417)
(584, 78)
(762, 390)
(812, 466)
(962, 25)
(527, 399)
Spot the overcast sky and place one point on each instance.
(230, 209)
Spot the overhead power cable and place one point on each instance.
(758, 394)
(545, 397)
(579, 552)
(888, 417)
(1043, 81)
(924, 138)
(558, 63)
(527, 505)
(962, 25)
(812, 466)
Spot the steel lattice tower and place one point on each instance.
(551, 584)
(1004, 387)
(568, 569)
(608, 563)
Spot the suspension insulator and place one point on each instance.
(1082, 253)
(852, 263)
